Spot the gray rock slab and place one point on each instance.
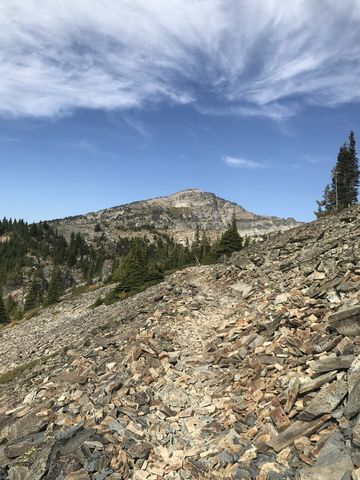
(297, 429)
(18, 473)
(18, 448)
(356, 433)
(174, 396)
(333, 462)
(317, 382)
(353, 404)
(326, 400)
(346, 322)
(332, 363)
(31, 423)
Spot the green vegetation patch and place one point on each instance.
(9, 376)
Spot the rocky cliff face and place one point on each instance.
(178, 215)
(246, 370)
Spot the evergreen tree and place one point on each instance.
(328, 202)
(205, 247)
(12, 309)
(341, 180)
(343, 191)
(56, 287)
(230, 240)
(354, 171)
(34, 297)
(71, 256)
(132, 272)
(247, 241)
(3, 313)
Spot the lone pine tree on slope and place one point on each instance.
(343, 191)
(56, 287)
(230, 240)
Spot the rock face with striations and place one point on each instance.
(177, 215)
(240, 370)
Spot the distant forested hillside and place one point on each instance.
(37, 264)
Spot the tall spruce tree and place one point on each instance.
(341, 180)
(3, 313)
(230, 240)
(56, 287)
(354, 171)
(328, 202)
(343, 191)
(34, 297)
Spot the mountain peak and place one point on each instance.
(178, 215)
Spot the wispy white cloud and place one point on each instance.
(134, 121)
(241, 162)
(264, 57)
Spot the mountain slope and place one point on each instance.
(178, 215)
(238, 370)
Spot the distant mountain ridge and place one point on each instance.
(178, 215)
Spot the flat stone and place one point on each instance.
(18, 473)
(41, 465)
(79, 475)
(31, 423)
(292, 394)
(353, 404)
(332, 363)
(317, 382)
(333, 462)
(346, 322)
(326, 400)
(243, 288)
(355, 475)
(356, 433)
(282, 298)
(296, 430)
(174, 396)
(18, 448)
(140, 450)
(279, 417)
(316, 276)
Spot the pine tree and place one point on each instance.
(341, 183)
(343, 191)
(354, 171)
(56, 287)
(132, 272)
(71, 257)
(12, 308)
(230, 240)
(34, 297)
(3, 313)
(328, 202)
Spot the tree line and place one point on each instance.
(146, 263)
(39, 262)
(137, 263)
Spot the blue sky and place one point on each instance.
(108, 102)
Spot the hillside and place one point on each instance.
(173, 232)
(178, 215)
(245, 370)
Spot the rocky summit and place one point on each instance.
(243, 370)
(178, 215)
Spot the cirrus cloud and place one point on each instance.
(264, 57)
(241, 162)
